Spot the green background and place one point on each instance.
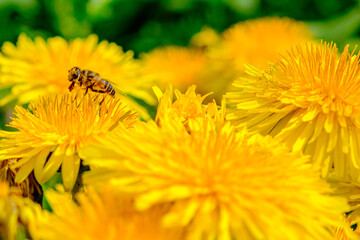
(142, 25)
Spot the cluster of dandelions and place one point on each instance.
(272, 156)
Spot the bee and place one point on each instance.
(87, 79)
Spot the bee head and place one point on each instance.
(74, 74)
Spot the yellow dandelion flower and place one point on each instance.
(256, 42)
(309, 100)
(16, 214)
(221, 184)
(101, 215)
(29, 187)
(55, 131)
(179, 66)
(186, 107)
(40, 67)
(259, 41)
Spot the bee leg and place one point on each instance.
(102, 101)
(98, 91)
(86, 91)
(71, 87)
(80, 101)
(100, 106)
(76, 95)
(96, 97)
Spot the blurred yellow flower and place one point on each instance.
(309, 100)
(186, 107)
(40, 67)
(261, 40)
(55, 131)
(256, 42)
(175, 65)
(220, 184)
(102, 215)
(17, 214)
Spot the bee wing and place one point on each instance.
(116, 87)
(114, 84)
(117, 90)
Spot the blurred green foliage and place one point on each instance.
(141, 25)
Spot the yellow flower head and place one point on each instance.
(17, 214)
(102, 215)
(256, 42)
(55, 131)
(40, 67)
(186, 107)
(174, 65)
(221, 184)
(259, 41)
(310, 100)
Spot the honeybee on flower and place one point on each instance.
(29, 72)
(88, 79)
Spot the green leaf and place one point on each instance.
(149, 108)
(339, 28)
(56, 179)
(21, 233)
